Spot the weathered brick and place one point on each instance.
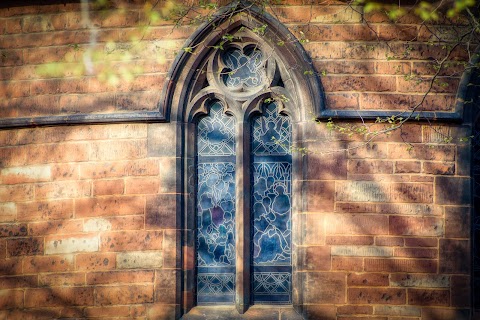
(409, 311)
(162, 311)
(445, 314)
(332, 289)
(439, 168)
(407, 167)
(350, 264)
(109, 206)
(389, 241)
(356, 224)
(367, 279)
(10, 282)
(45, 210)
(58, 297)
(315, 258)
(421, 242)
(417, 226)
(25, 246)
(126, 294)
(376, 296)
(416, 253)
(8, 212)
(314, 227)
(354, 310)
(10, 193)
(401, 265)
(355, 207)
(419, 280)
(131, 240)
(139, 259)
(38, 264)
(95, 261)
(460, 291)
(358, 150)
(25, 174)
(161, 211)
(428, 297)
(157, 135)
(113, 277)
(57, 227)
(454, 256)
(106, 312)
(146, 185)
(118, 150)
(71, 243)
(452, 190)
(319, 196)
(432, 152)
(13, 230)
(349, 240)
(61, 279)
(358, 166)
(108, 187)
(11, 299)
(318, 14)
(62, 189)
(362, 251)
(359, 83)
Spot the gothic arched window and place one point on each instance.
(238, 96)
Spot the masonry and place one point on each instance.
(94, 198)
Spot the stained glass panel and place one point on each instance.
(215, 241)
(271, 208)
(245, 70)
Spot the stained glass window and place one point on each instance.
(271, 207)
(245, 70)
(215, 241)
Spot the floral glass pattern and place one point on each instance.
(245, 70)
(215, 241)
(271, 208)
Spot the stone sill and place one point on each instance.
(253, 313)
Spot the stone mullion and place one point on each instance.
(242, 299)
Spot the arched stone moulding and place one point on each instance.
(196, 81)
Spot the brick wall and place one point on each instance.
(87, 213)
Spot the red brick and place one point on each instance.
(346, 32)
(367, 279)
(359, 83)
(354, 310)
(16, 193)
(319, 196)
(332, 290)
(428, 297)
(349, 240)
(416, 253)
(161, 311)
(401, 265)
(106, 312)
(25, 246)
(12, 266)
(344, 67)
(369, 166)
(421, 242)
(316, 257)
(95, 261)
(45, 210)
(407, 167)
(347, 264)
(118, 150)
(109, 206)
(11, 282)
(357, 224)
(131, 240)
(147, 185)
(13, 230)
(376, 296)
(389, 241)
(61, 279)
(422, 152)
(127, 294)
(11, 299)
(439, 168)
(65, 152)
(422, 85)
(57, 227)
(392, 67)
(143, 167)
(108, 187)
(355, 207)
(62, 189)
(58, 297)
(397, 32)
(39, 264)
(114, 277)
(418, 226)
(126, 223)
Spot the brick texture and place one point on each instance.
(91, 221)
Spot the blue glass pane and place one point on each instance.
(271, 208)
(245, 70)
(271, 133)
(215, 241)
(216, 133)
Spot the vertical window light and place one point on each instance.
(271, 208)
(215, 241)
